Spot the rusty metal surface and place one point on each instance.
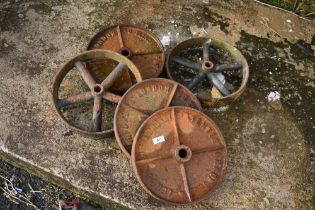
(143, 48)
(207, 69)
(142, 100)
(179, 155)
(98, 88)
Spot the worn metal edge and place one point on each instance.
(85, 194)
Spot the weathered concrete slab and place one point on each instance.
(269, 160)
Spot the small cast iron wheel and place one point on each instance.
(206, 67)
(179, 155)
(142, 100)
(143, 48)
(98, 91)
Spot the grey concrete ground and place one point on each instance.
(270, 147)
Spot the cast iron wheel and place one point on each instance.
(179, 155)
(142, 47)
(208, 68)
(98, 90)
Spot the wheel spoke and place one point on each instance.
(97, 114)
(74, 99)
(113, 76)
(198, 78)
(176, 136)
(120, 37)
(87, 76)
(185, 181)
(136, 110)
(111, 97)
(218, 84)
(148, 160)
(187, 63)
(205, 47)
(171, 96)
(227, 67)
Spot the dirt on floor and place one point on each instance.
(21, 190)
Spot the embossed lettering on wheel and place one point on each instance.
(142, 100)
(140, 46)
(188, 165)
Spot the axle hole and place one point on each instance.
(125, 52)
(97, 89)
(182, 153)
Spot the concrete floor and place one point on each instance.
(270, 149)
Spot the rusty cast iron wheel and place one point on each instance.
(206, 69)
(179, 155)
(98, 91)
(143, 48)
(142, 100)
